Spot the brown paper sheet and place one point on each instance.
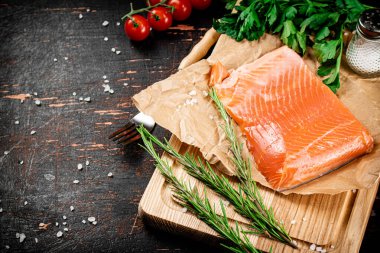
(179, 103)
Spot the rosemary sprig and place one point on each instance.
(244, 174)
(262, 221)
(201, 207)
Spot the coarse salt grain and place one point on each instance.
(87, 99)
(64, 217)
(74, 94)
(332, 246)
(125, 84)
(80, 166)
(55, 59)
(104, 77)
(25, 203)
(106, 81)
(80, 16)
(117, 23)
(113, 49)
(319, 249)
(66, 58)
(22, 237)
(84, 221)
(35, 93)
(293, 222)
(112, 91)
(105, 38)
(59, 234)
(110, 174)
(193, 93)
(94, 223)
(323, 251)
(88, 10)
(72, 208)
(80, 98)
(1, 209)
(6, 152)
(56, 224)
(105, 23)
(64, 223)
(312, 247)
(36, 240)
(87, 162)
(118, 52)
(66, 229)
(7, 247)
(184, 210)
(17, 235)
(37, 102)
(17, 122)
(91, 219)
(304, 218)
(106, 87)
(76, 181)
(205, 93)
(32, 132)
(22, 101)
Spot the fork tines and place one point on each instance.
(126, 134)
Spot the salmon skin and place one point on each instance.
(296, 128)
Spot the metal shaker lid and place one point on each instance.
(369, 23)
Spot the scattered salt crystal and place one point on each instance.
(91, 219)
(104, 77)
(87, 162)
(80, 166)
(110, 174)
(17, 235)
(80, 98)
(36, 240)
(193, 93)
(37, 102)
(64, 223)
(22, 101)
(304, 218)
(88, 10)
(87, 99)
(25, 203)
(106, 81)
(56, 224)
(113, 49)
(106, 87)
(72, 208)
(74, 93)
(205, 93)
(112, 91)
(94, 223)
(105, 38)
(1, 209)
(323, 251)
(319, 249)
(49, 177)
(125, 84)
(7, 247)
(76, 181)
(17, 122)
(293, 222)
(312, 247)
(35, 93)
(84, 221)
(117, 23)
(118, 52)
(55, 59)
(184, 210)
(354, 191)
(66, 58)
(66, 229)
(80, 16)
(6, 152)
(332, 246)
(105, 23)
(211, 117)
(22, 237)
(64, 217)
(59, 234)
(32, 132)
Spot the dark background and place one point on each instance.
(32, 34)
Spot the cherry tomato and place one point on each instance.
(200, 4)
(160, 18)
(153, 2)
(182, 9)
(137, 29)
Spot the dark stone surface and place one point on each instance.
(68, 132)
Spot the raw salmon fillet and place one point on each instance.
(296, 128)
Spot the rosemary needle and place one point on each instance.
(189, 198)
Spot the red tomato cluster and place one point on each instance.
(160, 18)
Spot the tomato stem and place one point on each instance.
(146, 9)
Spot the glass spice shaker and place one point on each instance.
(363, 52)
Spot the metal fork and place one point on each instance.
(128, 133)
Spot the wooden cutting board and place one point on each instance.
(335, 222)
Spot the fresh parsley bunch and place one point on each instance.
(300, 23)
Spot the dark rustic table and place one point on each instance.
(48, 52)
